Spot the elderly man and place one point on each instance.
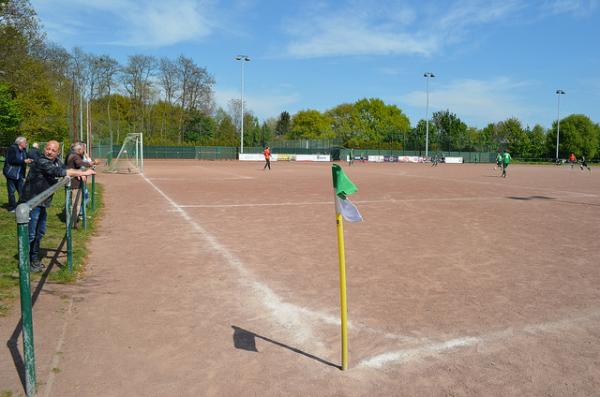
(14, 170)
(44, 173)
(76, 160)
(34, 152)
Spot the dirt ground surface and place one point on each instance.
(221, 279)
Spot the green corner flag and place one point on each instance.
(344, 209)
(344, 187)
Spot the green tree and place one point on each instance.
(199, 128)
(578, 134)
(310, 124)
(251, 130)
(416, 137)
(226, 133)
(451, 131)
(374, 122)
(537, 142)
(10, 116)
(266, 133)
(516, 139)
(342, 123)
(283, 124)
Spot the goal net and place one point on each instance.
(130, 159)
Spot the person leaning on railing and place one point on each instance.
(43, 173)
(76, 160)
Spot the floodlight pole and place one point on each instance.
(242, 59)
(558, 94)
(427, 76)
(81, 117)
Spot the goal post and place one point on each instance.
(130, 159)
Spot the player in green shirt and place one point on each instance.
(498, 161)
(505, 162)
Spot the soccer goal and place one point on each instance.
(130, 159)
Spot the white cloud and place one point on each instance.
(463, 16)
(262, 105)
(576, 7)
(477, 101)
(391, 71)
(128, 22)
(166, 23)
(354, 28)
(393, 29)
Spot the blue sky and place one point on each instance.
(492, 59)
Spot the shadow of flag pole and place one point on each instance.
(344, 209)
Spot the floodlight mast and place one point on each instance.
(243, 59)
(558, 94)
(427, 76)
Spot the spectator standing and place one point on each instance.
(75, 161)
(44, 173)
(34, 153)
(14, 170)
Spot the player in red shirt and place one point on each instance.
(572, 159)
(267, 153)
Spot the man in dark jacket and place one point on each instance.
(34, 152)
(44, 173)
(14, 170)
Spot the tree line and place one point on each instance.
(44, 90)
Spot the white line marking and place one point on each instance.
(391, 200)
(232, 174)
(215, 178)
(405, 355)
(57, 352)
(287, 314)
(434, 348)
(532, 188)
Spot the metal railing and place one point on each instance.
(22, 215)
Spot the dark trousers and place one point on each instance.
(13, 186)
(267, 164)
(37, 229)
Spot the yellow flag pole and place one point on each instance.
(343, 301)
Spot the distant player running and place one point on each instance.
(584, 164)
(499, 159)
(505, 162)
(572, 159)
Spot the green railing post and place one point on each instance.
(22, 213)
(83, 187)
(69, 215)
(93, 205)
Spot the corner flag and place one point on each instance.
(344, 187)
(344, 209)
